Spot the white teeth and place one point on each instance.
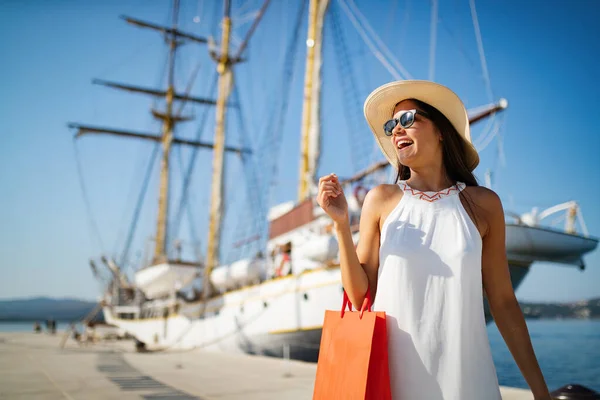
(404, 142)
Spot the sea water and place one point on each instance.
(568, 352)
(27, 326)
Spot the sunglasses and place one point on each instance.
(406, 120)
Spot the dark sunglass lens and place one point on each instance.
(389, 126)
(407, 119)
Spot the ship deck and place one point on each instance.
(33, 366)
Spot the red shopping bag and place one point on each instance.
(353, 356)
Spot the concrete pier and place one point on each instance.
(32, 366)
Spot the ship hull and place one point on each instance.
(275, 318)
(284, 316)
(528, 244)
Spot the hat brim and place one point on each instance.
(380, 104)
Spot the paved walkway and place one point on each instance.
(34, 367)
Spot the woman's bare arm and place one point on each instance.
(501, 296)
(360, 266)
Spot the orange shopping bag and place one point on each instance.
(353, 356)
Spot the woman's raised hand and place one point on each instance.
(331, 198)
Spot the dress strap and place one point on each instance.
(431, 196)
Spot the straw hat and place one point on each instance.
(379, 107)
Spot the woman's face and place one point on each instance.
(419, 145)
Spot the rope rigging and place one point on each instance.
(349, 84)
(139, 204)
(174, 231)
(191, 219)
(185, 195)
(433, 38)
(484, 140)
(191, 165)
(493, 126)
(270, 142)
(138, 208)
(252, 183)
(142, 168)
(95, 233)
(486, 75)
(391, 22)
(93, 225)
(247, 166)
(272, 136)
(378, 48)
(123, 260)
(457, 41)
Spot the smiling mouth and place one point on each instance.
(402, 144)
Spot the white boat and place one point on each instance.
(528, 244)
(162, 279)
(271, 301)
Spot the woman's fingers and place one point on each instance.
(328, 178)
(330, 181)
(325, 196)
(330, 186)
(330, 193)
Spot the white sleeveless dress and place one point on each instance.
(430, 286)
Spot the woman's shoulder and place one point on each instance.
(484, 198)
(488, 208)
(383, 193)
(378, 197)
(487, 212)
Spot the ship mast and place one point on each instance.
(216, 203)
(225, 63)
(169, 121)
(167, 140)
(311, 130)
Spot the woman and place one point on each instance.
(429, 246)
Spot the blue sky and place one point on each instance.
(542, 63)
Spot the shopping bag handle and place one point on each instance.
(366, 305)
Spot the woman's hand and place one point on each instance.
(331, 198)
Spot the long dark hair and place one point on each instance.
(453, 156)
(453, 149)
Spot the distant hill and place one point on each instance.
(43, 308)
(586, 309)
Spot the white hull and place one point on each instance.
(289, 311)
(528, 244)
(239, 319)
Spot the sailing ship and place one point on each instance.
(271, 301)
